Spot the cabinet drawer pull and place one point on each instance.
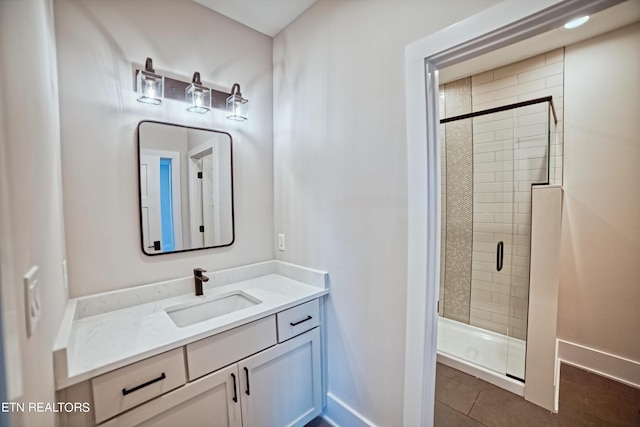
(235, 391)
(301, 321)
(246, 372)
(138, 387)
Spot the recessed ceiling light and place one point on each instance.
(576, 22)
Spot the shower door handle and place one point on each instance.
(499, 255)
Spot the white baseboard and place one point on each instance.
(339, 414)
(608, 365)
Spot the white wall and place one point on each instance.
(600, 248)
(340, 179)
(99, 45)
(31, 223)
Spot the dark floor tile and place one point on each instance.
(586, 400)
(449, 417)
(463, 378)
(455, 394)
(501, 408)
(317, 422)
(574, 394)
(568, 416)
(598, 397)
(573, 374)
(614, 388)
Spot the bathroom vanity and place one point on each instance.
(248, 352)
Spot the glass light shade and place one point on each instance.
(150, 87)
(237, 107)
(198, 97)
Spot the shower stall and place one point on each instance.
(490, 160)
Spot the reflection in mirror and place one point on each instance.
(186, 188)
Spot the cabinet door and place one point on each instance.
(282, 386)
(208, 401)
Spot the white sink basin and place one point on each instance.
(195, 312)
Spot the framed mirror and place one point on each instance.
(185, 187)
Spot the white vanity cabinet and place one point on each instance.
(281, 386)
(264, 373)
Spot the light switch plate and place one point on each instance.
(33, 306)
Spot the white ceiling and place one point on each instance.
(618, 16)
(266, 16)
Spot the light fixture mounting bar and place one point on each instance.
(175, 89)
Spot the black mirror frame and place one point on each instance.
(233, 227)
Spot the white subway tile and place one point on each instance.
(478, 313)
(527, 153)
(483, 217)
(483, 257)
(492, 103)
(482, 266)
(522, 89)
(541, 73)
(531, 130)
(500, 318)
(494, 85)
(494, 125)
(520, 66)
(533, 119)
(490, 286)
(491, 306)
(556, 55)
(485, 98)
(555, 80)
(482, 78)
(484, 157)
(504, 197)
(524, 208)
(481, 295)
(504, 155)
(484, 197)
(484, 276)
(484, 177)
(482, 137)
(482, 238)
(504, 134)
(501, 278)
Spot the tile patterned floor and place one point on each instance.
(586, 399)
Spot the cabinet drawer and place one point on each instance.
(298, 319)
(220, 350)
(124, 388)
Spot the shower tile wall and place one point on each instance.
(459, 202)
(509, 153)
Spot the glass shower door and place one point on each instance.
(493, 210)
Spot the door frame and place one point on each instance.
(176, 191)
(505, 23)
(195, 192)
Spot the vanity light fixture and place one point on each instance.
(150, 85)
(576, 22)
(198, 96)
(236, 104)
(152, 88)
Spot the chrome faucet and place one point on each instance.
(198, 278)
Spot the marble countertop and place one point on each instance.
(90, 345)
